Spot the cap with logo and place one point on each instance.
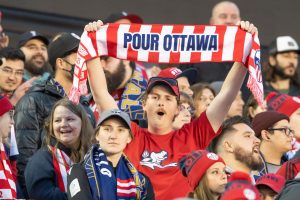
(283, 44)
(25, 37)
(195, 164)
(115, 113)
(62, 45)
(174, 72)
(123, 15)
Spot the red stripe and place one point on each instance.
(126, 187)
(196, 56)
(220, 30)
(112, 39)
(154, 56)
(92, 35)
(133, 54)
(60, 181)
(175, 56)
(238, 50)
(125, 181)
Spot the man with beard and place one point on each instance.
(34, 46)
(238, 146)
(280, 72)
(33, 109)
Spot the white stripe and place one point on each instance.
(88, 44)
(126, 191)
(101, 40)
(164, 56)
(247, 46)
(103, 163)
(228, 43)
(6, 166)
(12, 184)
(185, 56)
(144, 54)
(62, 168)
(6, 194)
(2, 175)
(125, 184)
(122, 52)
(207, 55)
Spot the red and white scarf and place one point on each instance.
(172, 44)
(61, 163)
(7, 182)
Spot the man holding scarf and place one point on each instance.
(156, 150)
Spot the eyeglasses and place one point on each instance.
(189, 109)
(11, 114)
(9, 71)
(286, 131)
(68, 62)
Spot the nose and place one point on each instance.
(12, 76)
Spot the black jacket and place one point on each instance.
(41, 179)
(290, 190)
(30, 115)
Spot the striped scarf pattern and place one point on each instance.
(158, 43)
(7, 182)
(61, 163)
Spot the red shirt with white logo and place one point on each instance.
(157, 156)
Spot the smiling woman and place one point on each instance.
(68, 138)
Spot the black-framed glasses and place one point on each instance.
(188, 108)
(68, 62)
(286, 131)
(9, 71)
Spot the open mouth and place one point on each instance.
(66, 131)
(256, 149)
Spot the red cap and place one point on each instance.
(174, 72)
(5, 105)
(275, 182)
(170, 82)
(195, 164)
(240, 187)
(282, 103)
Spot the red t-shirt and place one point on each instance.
(157, 156)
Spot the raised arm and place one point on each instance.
(97, 77)
(219, 107)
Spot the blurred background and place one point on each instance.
(272, 17)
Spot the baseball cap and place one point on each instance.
(5, 105)
(283, 44)
(174, 72)
(170, 82)
(123, 15)
(114, 113)
(275, 182)
(25, 37)
(60, 47)
(265, 120)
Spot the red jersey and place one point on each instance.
(157, 156)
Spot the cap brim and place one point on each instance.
(191, 75)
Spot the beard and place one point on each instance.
(248, 158)
(279, 71)
(33, 69)
(114, 79)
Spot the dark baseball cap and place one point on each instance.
(115, 113)
(170, 82)
(123, 15)
(174, 72)
(283, 44)
(62, 45)
(25, 37)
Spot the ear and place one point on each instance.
(59, 63)
(272, 60)
(228, 146)
(129, 139)
(265, 135)
(251, 111)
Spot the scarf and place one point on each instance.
(61, 164)
(172, 44)
(7, 182)
(125, 183)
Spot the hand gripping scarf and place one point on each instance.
(7, 182)
(126, 183)
(172, 44)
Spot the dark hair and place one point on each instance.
(10, 53)
(227, 127)
(86, 131)
(250, 103)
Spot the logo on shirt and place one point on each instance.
(155, 159)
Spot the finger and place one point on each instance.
(243, 24)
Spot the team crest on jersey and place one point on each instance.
(156, 159)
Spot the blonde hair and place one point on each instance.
(202, 191)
